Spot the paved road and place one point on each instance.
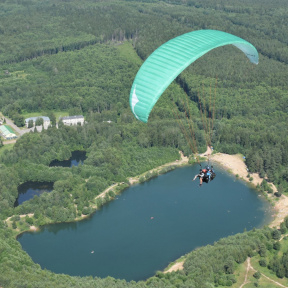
(20, 131)
(17, 129)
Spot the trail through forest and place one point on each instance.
(250, 267)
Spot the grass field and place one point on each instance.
(35, 114)
(126, 49)
(263, 282)
(5, 148)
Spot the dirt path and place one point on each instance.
(183, 160)
(106, 191)
(207, 153)
(246, 274)
(6, 142)
(250, 267)
(21, 216)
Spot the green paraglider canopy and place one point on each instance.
(170, 59)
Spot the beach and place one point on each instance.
(235, 164)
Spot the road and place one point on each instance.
(250, 267)
(15, 128)
(19, 130)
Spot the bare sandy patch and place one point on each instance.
(33, 228)
(177, 266)
(281, 211)
(236, 165)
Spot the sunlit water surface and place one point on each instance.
(149, 225)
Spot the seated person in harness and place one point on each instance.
(205, 175)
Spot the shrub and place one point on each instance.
(15, 218)
(283, 228)
(111, 193)
(257, 275)
(148, 175)
(29, 220)
(14, 225)
(277, 246)
(141, 179)
(276, 234)
(86, 210)
(262, 262)
(269, 189)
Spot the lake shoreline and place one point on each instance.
(234, 164)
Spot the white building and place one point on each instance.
(73, 120)
(46, 121)
(7, 132)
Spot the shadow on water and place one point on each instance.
(28, 190)
(149, 225)
(78, 157)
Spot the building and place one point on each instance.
(46, 121)
(73, 120)
(7, 132)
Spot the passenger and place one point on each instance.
(205, 175)
(200, 176)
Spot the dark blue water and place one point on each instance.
(28, 190)
(77, 158)
(148, 226)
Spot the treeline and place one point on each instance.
(23, 37)
(85, 24)
(250, 109)
(92, 79)
(74, 57)
(206, 266)
(114, 153)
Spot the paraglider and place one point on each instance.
(169, 60)
(205, 175)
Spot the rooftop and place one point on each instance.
(45, 118)
(72, 117)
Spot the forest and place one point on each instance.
(81, 58)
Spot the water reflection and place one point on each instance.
(77, 158)
(28, 190)
(148, 226)
(60, 227)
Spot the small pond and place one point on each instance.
(77, 158)
(28, 190)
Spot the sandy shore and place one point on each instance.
(235, 164)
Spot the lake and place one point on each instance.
(149, 225)
(28, 190)
(77, 158)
